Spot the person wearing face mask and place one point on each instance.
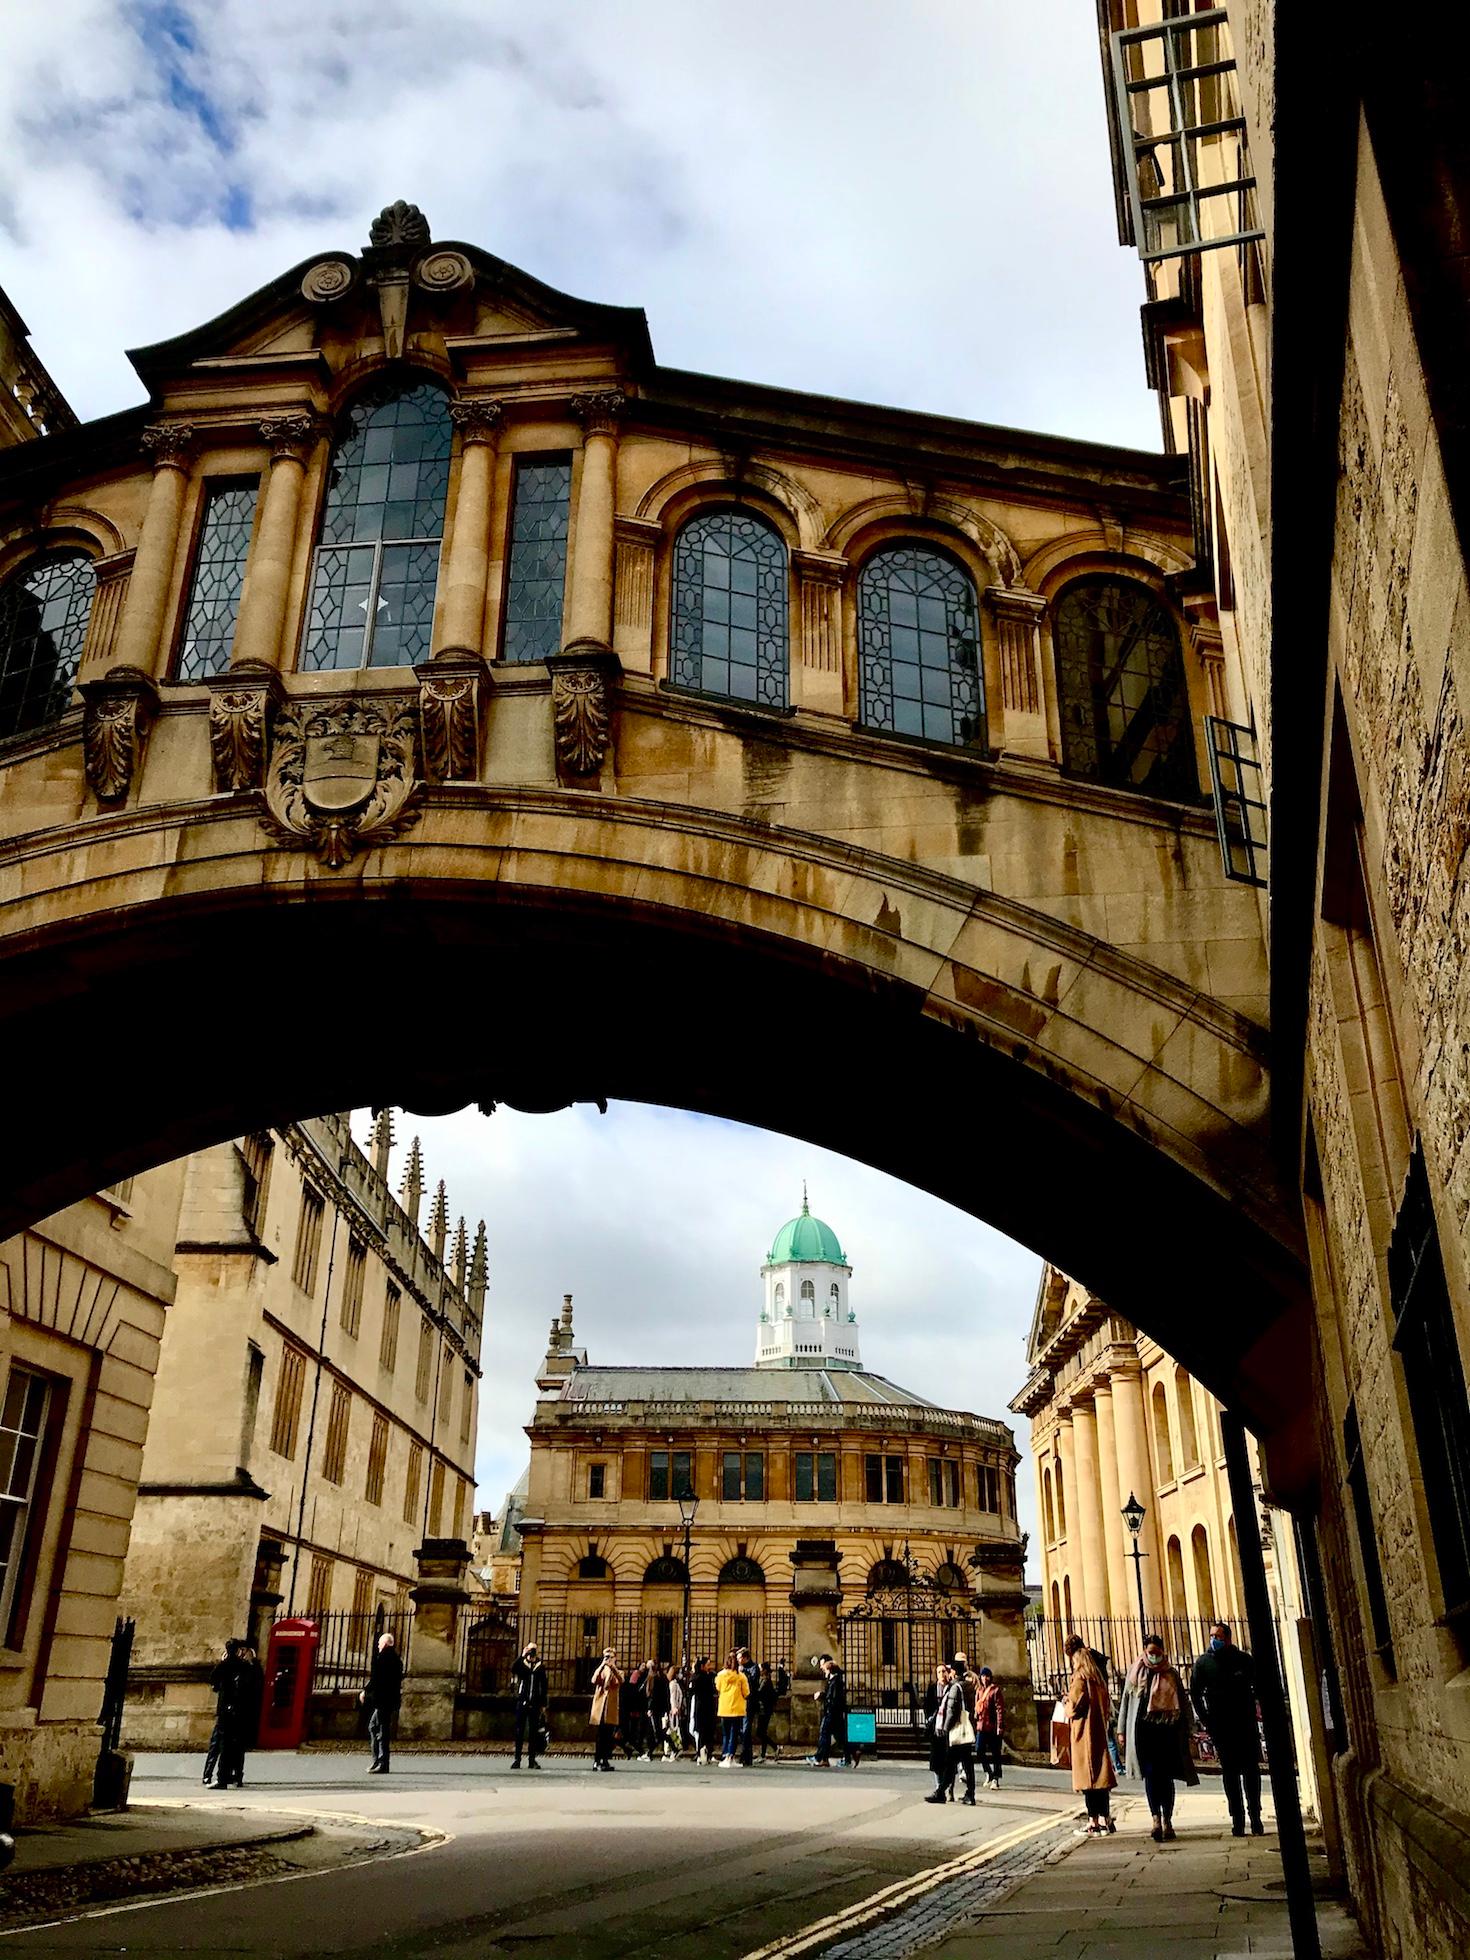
(1154, 1727)
(1224, 1689)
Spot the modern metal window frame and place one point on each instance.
(1181, 133)
(1240, 817)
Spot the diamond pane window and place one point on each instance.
(919, 647)
(537, 573)
(377, 565)
(1124, 700)
(43, 621)
(729, 630)
(219, 573)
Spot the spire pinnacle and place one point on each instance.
(411, 1190)
(383, 1140)
(439, 1221)
(805, 1208)
(479, 1271)
(459, 1258)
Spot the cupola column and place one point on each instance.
(589, 602)
(141, 627)
(467, 569)
(290, 439)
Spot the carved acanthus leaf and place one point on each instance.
(117, 713)
(581, 719)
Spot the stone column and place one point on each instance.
(1091, 1557)
(816, 1600)
(1067, 1455)
(431, 1684)
(467, 560)
(1018, 613)
(263, 598)
(1136, 1479)
(820, 576)
(140, 629)
(589, 603)
(1120, 1598)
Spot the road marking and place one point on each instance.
(879, 1904)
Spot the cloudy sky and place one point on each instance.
(899, 203)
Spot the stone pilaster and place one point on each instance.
(1209, 649)
(1091, 1559)
(637, 540)
(589, 603)
(816, 1601)
(1019, 729)
(467, 559)
(138, 643)
(111, 576)
(1130, 1418)
(432, 1682)
(290, 439)
(1119, 1597)
(820, 577)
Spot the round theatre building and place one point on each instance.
(823, 1507)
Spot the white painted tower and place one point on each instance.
(806, 1320)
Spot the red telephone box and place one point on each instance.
(290, 1661)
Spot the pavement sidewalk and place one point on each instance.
(145, 1830)
(1208, 1896)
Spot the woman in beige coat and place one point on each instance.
(1089, 1705)
(605, 1685)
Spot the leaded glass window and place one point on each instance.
(919, 647)
(43, 621)
(219, 573)
(377, 566)
(1124, 700)
(537, 574)
(729, 631)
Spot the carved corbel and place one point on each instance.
(582, 680)
(452, 690)
(117, 712)
(242, 706)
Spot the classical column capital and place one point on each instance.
(1015, 602)
(598, 411)
(168, 445)
(477, 420)
(292, 436)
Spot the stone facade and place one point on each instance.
(317, 1406)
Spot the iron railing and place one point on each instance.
(1185, 1638)
(572, 1644)
(346, 1643)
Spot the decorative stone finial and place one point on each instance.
(479, 1271)
(411, 1191)
(382, 1141)
(399, 227)
(459, 1259)
(439, 1221)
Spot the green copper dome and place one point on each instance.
(806, 1238)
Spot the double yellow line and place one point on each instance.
(823, 1931)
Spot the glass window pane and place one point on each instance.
(755, 1477)
(44, 611)
(219, 574)
(729, 627)
(731, 1491)
(918, 640)
(827, 1477)
(1124, 700)
(537, 568)
(805, 1492)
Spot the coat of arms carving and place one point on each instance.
(341, 776)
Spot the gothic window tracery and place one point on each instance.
(919, 647)
(1124, 699)
(219, 577)
(377, 564)
(44, 610)
(729, 633)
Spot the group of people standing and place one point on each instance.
(660, 1712)
(964, 1712)
(1151, 1738)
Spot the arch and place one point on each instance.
(1067, 1597)
(780, 1296)
(45, 608)
(1056, 1600)
(1188, 1431)
(742, 1571)
(808, 1300)
(949, 1578)
(930, 514)
(1178, 1597)
(722, 477)
(887, 1575)
(375, 570)
(1061, 1496)
(1163, 1445)
(1052, 564)
(1204, 1582)
(1046, 1505)
(729, 623)
(1122, 691)
(665, 1570)
(919, 662)
(592, 1565)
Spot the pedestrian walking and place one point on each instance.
(222, 1682)
(766, 1698)
(1223, 1686)
(938, 1748)
(832, 1731)
(607, 1685)
(704, 1705)
(752, 1704)
(659, 1695)
(632, 1705)
(1088, 1707)
(382, 1697)
(990, 1722)
(734, 1692)
(783, 1680)
(528, 1673)
(1154, 1727)
(676, 1734)
(954, 1724)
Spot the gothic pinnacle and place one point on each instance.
(382, 1141)
(439, 1221)
(459, 1258)
(479, 1271)
(411, 1191)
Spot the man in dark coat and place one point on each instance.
(529, 1675)
(752, 1704)
(242, 1684)
(833, 1730)
(381, 1697)
(1223, 1689)
(223, 1683)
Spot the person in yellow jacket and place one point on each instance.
(733, 1689)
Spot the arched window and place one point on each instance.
(729, 632)
(1237, 1577)
(1061, 1502)
(949, 1578)
(44, 611)
(834, 1293)
(741, 1572)
(377, 565)
(1163, 1447)
(1124, 701)
(593, 1566)
(1204, 1584)
(808, 1298)
(665, 1571)
(1178, 1598)
(1056, 1600)
(780, 1297)
(1050, 1515)
(887, 1575)
(919, 646)
(1067, 1596)
(1188, 1434)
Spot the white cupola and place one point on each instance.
(806, 1320)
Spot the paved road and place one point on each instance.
(654, 1860)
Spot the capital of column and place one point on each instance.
(293, 435)
(827, 568)
(168, 444)
(598, 412)
(477, 420)
(1015, 602)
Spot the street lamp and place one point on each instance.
(1133, 1516)
(688, 1505)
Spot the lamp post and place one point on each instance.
(688, 1505)
(1133, 1516)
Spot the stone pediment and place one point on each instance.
(402, 287)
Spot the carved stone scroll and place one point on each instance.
(242, 705)
(452, 690)
(581, 707)
(168, 444)
(328, 281)
(598, 412)
(476, 419)
(117, 712)
(294, 435)
(341, 776)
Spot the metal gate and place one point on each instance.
(891, 1645)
